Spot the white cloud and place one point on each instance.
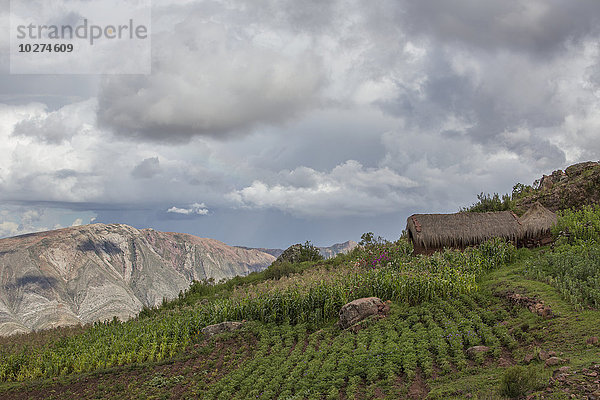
(194, 209)
(348, 189)
(19, 220)
(77, 222)
(8, 228)
(54, 127)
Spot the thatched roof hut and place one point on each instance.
(537, 222)
(431, 232)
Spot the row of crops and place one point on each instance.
(166, 334)
(573, 265)
(386, 356)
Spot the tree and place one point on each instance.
(309, 252)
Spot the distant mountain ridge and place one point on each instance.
(96, 272)
(274, 252)
(326, 252)
(334, 250)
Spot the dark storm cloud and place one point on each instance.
(533, 26)
(66, 173)
(492, 111)
(212, 78)
(501, 95)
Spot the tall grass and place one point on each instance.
(573, 267)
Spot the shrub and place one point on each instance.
(487, 202)
(300, 253)
(517, 381)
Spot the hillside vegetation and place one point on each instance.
(491, 322)
(575, 187)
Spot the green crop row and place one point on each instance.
(292, 363)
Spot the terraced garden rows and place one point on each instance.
(385, 357)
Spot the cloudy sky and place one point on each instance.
(271, 122)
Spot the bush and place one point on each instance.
(517, 381)
(300, 253)
(487, 202)
(281, 269)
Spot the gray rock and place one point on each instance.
(359, 309)
(223, 327)
(472, 351)
(552, 361)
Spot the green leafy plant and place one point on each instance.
(517, 381)
(573, 266)
(486, 202)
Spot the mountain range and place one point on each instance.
(326, 252)
(91, 273)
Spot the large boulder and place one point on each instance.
(359, 309)
(223, 327)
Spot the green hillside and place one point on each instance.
(290, 346)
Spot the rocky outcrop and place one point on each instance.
(576, 186)
(274, 252)
(553, 361)
(359, 309)
(580, 383)
(535, 306)
(227, 326)
(96, 272)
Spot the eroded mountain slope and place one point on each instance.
(96, 272)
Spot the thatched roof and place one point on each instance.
(537, 221)
(462, 229)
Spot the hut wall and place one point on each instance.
(540, 240)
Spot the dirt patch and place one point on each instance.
(532, 304)
(506, 358)
(418, 389)
(379, 393)
(437, 372)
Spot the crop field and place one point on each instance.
(394, 277)
(384, 357)
(573, 267)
